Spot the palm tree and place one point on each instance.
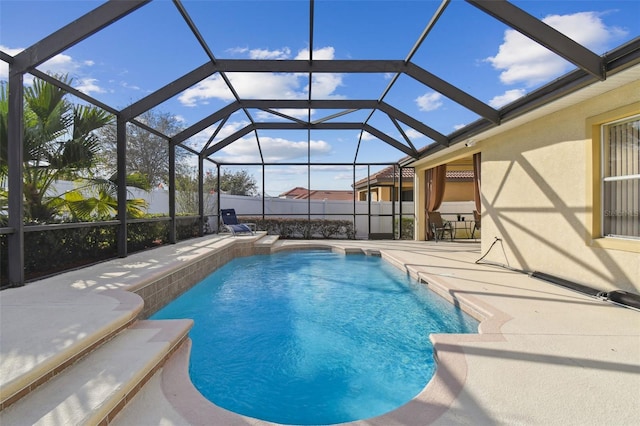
(96, 199)
(60, 143)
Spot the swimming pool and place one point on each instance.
(312, 337)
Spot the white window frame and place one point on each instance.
(604, 142)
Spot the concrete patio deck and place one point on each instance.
(544, 355)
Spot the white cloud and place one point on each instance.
(429, 101)
(199, 140)
(522, 60)
(366, 136)
(248, 86)
(506, 97)
(413, 134)
(274, 149)
(61, 64)
(266, 85)
(212, 87)
(129, 86)
(4, 67)
(270, 54)
(88, 86)
(325, 84)
(324, 53)
(238, 50)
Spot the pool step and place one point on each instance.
(57, 339)
(264, 244)
(95, 388)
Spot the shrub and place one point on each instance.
(304, 228)
(407, 228)
(56, 250)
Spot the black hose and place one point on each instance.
(502, 265)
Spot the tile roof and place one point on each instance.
(459, 175)
(294, 192)
(299, 193)
(386, 176)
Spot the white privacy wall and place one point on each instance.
(381, 220)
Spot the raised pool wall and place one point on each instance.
(161, 288)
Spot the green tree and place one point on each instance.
(187, 191)
(238, 183)
(60, 143)
(97, 199)
(234, 183)
(147, 153)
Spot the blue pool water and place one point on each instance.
(313, 337)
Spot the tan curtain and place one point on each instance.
(476, 180)
(434, 192)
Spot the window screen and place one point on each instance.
(621, 178)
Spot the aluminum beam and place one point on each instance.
(88, 24)
(75, 92)
(301, 126)
(228, 140)
(121, 149)
(452, 92)
(172, 194)
(404, 135)
(317, 65)
(168, 91)
(282, 115)
(15, 161)
(544, 35)
(332, 116)
(625, 56)
(310, 126)
(149, 129)
(194, 29)
(266, 104)
(313, 104)
(206, 122)
(412, 122)
(388, 139)
(6, 57)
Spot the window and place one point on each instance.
(621, 178)
(407, 194)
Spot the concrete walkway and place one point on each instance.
(544, 355)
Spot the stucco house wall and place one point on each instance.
(538, 194)
(458, 191)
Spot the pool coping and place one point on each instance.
(448, 397)
(525, 330)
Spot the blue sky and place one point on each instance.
(153, 46)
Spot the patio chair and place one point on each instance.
(230, 222)
(440, 226)
(476, 223)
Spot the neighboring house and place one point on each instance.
(380, 184)
(299, 193)
(459, 183)
(560, 185)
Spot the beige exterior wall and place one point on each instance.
(458, 191)
(381, 193)
(538, 192)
